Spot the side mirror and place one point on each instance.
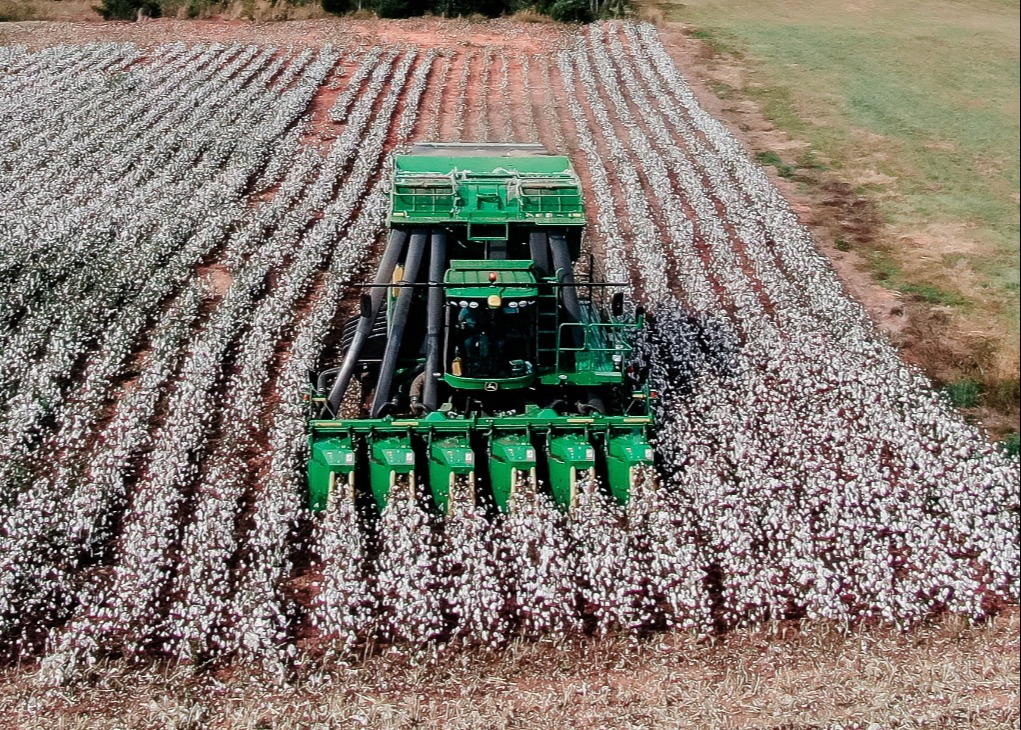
(617, 304)
(365, 306)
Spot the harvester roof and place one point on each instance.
(471, 278)
(485, 184)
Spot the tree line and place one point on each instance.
(564, 11)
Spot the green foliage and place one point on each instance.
(337, 6)
(810, 161)
(933, 294)
(889, 271)
(394, 9)
(195, 7)
(1010, 444)
(964, 393)
(771, 158)
(1006, 392)
(571, 11)
(563, 10)
(128, 9)
(718, 44)
(459, 8)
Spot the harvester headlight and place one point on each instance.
(494, 301)
(512, 305)
(463, 303)
(473, 305)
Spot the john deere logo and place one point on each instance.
(491, 386)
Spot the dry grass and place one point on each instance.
(263, 11)
(915, 108)
(651, 14)
(65, 10)
(947, 675)
(84, 10)
(530, 15)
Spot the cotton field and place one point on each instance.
(179, 226)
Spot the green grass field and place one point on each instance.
(917, 104)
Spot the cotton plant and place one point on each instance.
(802, 469)
(200, 223)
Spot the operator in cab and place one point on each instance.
(490, 343)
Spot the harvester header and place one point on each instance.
(479, 368)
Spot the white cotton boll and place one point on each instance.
(407, 581)
(474, 598)
(609, 578)
(537, 567)
(804, 469)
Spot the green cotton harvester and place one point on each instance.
(486, 370)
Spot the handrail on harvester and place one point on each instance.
(445, 285)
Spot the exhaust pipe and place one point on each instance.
(400, 318)
(391, 255)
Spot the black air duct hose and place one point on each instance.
(538, 247)
(397, 323)
(568, 294)
(434, 321)
(394, 249)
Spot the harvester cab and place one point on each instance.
(490, 324)
(483, 369)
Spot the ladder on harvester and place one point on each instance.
(547, 327)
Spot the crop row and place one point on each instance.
(175, 256)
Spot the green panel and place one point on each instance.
(535, 418)
(508, 455)
(388, 458)
(462, 383)
(540, 189)
(330, 456)
(389, 442)
(569, 455)
(624, 452)
(470, 279)
(582, 378)
(449, 457)
(538, 165)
